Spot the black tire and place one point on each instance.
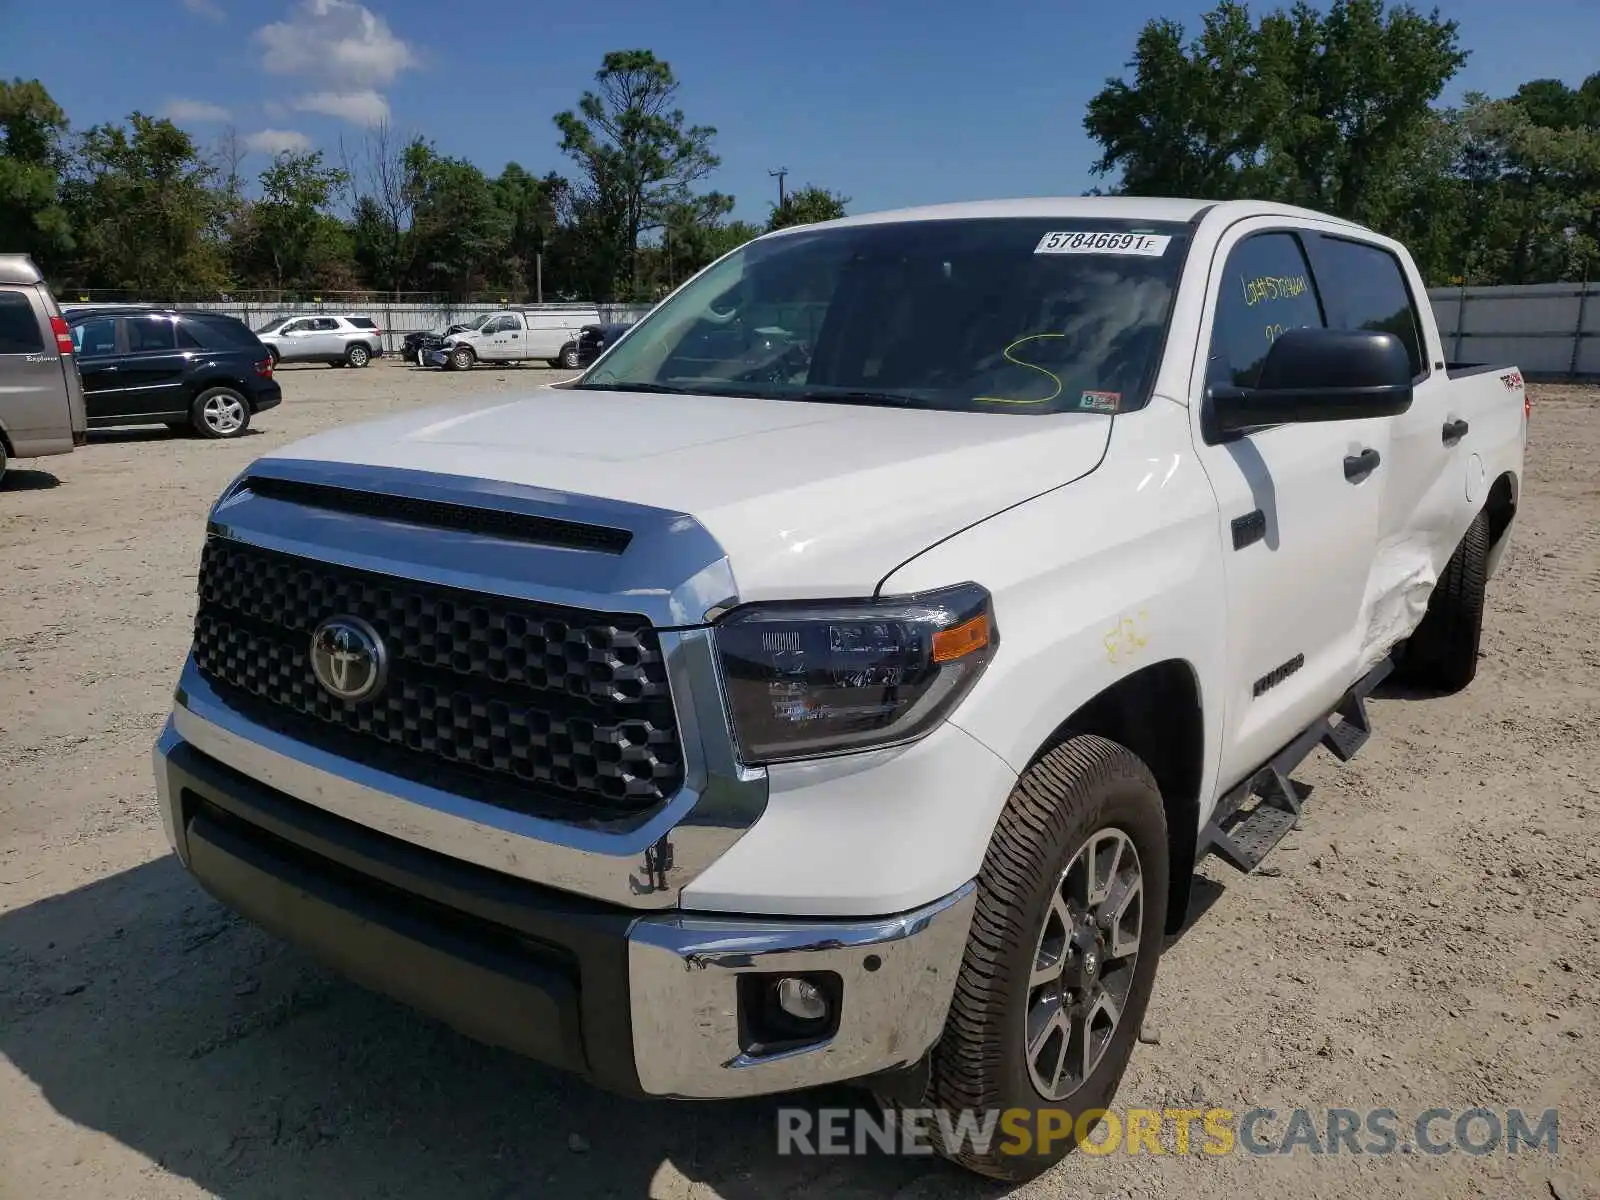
(462, 358)
(219, 412)
(1443, 652)
(1086, 789)
(358, 355)
(569, 357)
(4, 462)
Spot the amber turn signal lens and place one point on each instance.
(951, 644)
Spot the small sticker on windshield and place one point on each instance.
(1148, 245)
(1101, 402)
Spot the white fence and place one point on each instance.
(396, 320)
(1546, 329)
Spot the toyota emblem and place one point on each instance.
(348, 659)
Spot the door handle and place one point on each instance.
(1454, 431)
(1358, 466)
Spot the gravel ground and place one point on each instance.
(1427, 939)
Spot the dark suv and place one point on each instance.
(594, 339)
(196, 370)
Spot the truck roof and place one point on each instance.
(19, 269)
(1136, 208)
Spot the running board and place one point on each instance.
(1242, 836)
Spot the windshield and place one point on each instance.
(271, 325)
(980, 315)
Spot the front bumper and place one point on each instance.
(648, 1004)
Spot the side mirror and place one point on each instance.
(1317, 375)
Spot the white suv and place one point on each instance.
(338, 340)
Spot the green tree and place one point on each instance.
(1193, 120)
(458, 229)
(296, 241)
(1326, 109)
(694, 233)
(806, 207)
(1535, 162)
(32, 219)
(1352, 91)
(141, 200)
(635, 152)
(531, 206)
(381, 216)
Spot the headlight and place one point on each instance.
(805, 680)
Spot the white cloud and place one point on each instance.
(276, 141)
(205, 8)
(364, 107)
(340, 43)
(194, 110)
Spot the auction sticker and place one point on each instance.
(1102, 402)
(1149, 245)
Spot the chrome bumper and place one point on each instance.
(897, 973)
(639, 1003)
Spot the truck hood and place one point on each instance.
(806, 499)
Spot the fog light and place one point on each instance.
(801, 999)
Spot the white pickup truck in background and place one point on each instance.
(549, 333)
(840, 680)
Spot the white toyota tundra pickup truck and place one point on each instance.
(841, 679)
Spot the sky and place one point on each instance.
(889, 102)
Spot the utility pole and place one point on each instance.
(778, 175)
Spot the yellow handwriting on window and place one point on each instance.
(1264, 288)
(1051, 375)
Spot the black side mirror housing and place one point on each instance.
(1317, 375)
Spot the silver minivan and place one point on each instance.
(41, 398)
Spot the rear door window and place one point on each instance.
(19, 325)
(1363, 287)
(95, 337)
(150, 335)
(324, 324)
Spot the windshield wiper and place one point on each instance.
(664, 389)
(851, 396)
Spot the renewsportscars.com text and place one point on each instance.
(1212, 1131)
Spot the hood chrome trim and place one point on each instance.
(672, 572)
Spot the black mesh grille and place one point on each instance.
(512, 702)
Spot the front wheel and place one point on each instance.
(219, 413)
(461, 359)
(1061, 958)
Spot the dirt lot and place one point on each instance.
(1428, 939)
